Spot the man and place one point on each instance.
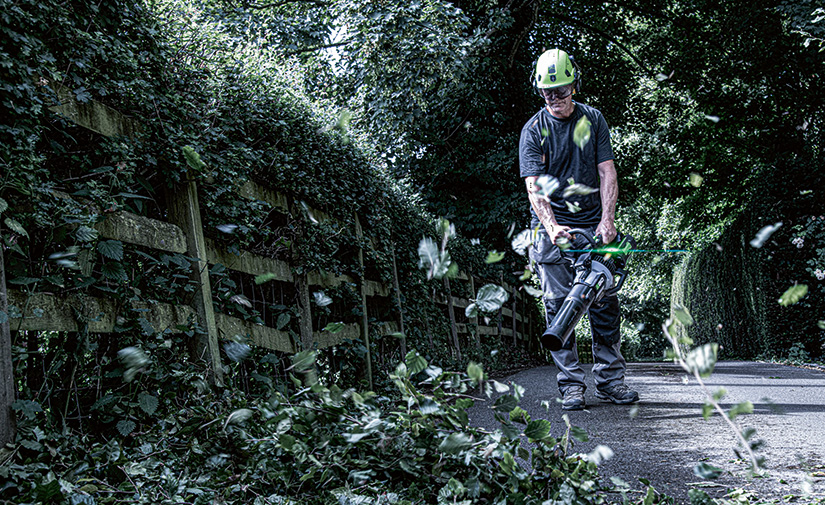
(547, 147)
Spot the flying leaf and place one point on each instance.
(521, 242)
(793, 294)
(745, 407)
(227, 228)
(572, 207)
(415, 362)
(505, 403)
(695, 179)
(333, 327)
(715, 119)
(578, 189)
(533, 291)
(321, 299)
(764, 234)
(490, 298)
(682, 315)
(494, 257)
(702, 359)
(193, 159)
(260, 279)
(546, 184)
(599, 454)
(241, 300)
(475, 372)
(581, 133)
(706, 471)
(236, 351)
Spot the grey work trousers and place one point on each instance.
(555, 270)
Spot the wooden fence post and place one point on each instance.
(365, 328)
(397, 287)
(7, 386)
(515, 317)
(474, 319)
(184, 211)
(451, 311)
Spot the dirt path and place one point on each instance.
(666, 436)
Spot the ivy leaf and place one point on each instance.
(494, 257)
(114, 270)
(415, 362)
(27, 407)
(455, 443)
(706, 471)
(193, 159)
(112, 249)
(86, 234)
(3, 206)
(537, 429)
(125, 427)
(148, 403)
(581, 133)
(702, 359)
(238, 416)
(283, 320)
(764, 234)
(15, 227)
(793, 294)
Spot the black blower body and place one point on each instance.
(599, 272)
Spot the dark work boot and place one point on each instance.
(573, 398)
(619, 394)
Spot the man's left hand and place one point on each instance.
(607, 230)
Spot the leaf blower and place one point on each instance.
(599, 272)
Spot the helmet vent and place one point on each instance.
(551, 69)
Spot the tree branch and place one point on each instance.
(317, 48)
(257, 6)
(602, 34)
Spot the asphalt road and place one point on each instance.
(665, 436)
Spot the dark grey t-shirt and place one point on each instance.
(547, 147)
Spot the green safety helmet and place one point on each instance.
(555, 68)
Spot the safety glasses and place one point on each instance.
(557, 93)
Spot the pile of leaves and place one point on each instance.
(309, 443)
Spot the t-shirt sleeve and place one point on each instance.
(530, 153)
(604, 151)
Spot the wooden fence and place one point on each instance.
(183, 233)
